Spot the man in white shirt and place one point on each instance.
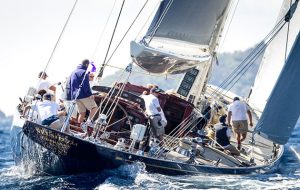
(155, 113)
(44, 84)
(48, 111)
(237, 113)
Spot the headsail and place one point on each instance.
(274, 59)
(183, 34)
(283, 108)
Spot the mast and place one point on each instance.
(193, 83)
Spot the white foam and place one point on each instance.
(296, 150)
(107, 187)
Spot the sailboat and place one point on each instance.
(182, 38)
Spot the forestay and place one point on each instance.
(283, 108)
(183, 34)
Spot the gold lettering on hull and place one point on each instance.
(55, 142)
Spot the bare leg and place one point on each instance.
(161, 138)
(81, 117)
(55, 125)
(92, 113)
(244, 135)
(238, 139)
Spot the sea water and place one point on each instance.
(135, 177)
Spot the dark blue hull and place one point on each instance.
(74, 155)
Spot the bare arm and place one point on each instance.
(229, 118)
(53, 88)
(250, 118)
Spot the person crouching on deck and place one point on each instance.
(223, 134)
(79, 82)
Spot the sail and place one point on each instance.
(182, 35)
(273, 59)
(283, 108)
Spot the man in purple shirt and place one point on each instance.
(82, 94)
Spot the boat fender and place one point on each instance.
(120, 144)
(106, 135)
(138, 132)
(101, 119)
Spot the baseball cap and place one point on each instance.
(47, 96)
(236, 98)
(155, 89)
(42, 73)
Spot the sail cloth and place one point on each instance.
(182, 35)
(274, 59)
(283, 108)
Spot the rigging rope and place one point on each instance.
(234, 74)
(61, 33)
(134, 20)
(147, 21)
(160, 20)
(56, 44)
(101, 34)
(111, 39)
(230, 21)
(245, 66)
(286, 18)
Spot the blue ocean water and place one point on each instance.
(135, 177)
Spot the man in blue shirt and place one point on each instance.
(82, 94)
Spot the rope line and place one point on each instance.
(56, 44)
(111, 39)
(106, 63)
(160, 20)
(102, 32)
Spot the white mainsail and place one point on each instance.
(274, 59)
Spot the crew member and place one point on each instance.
(78, 88)
(223, 134)
(155, 113)
(237, 113)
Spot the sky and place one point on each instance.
(29, 31)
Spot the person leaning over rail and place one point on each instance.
(80, 91)
(237, 113)
(48, 111)
(155, 113)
